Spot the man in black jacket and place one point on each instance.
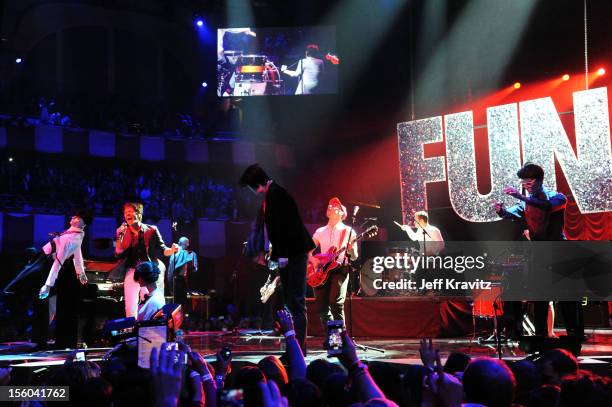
(290, 241)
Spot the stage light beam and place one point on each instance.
(199, 22)
(565, 77)
(18, 60)
(204, 84)
(517, 85)
(601, 71)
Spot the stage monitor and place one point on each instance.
(277, 61)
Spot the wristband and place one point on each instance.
(206, 377)
(289, 333)
(357, 367)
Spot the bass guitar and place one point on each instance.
(318, 275)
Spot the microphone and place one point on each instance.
(122, 231)
(355, 210)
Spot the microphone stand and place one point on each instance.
(345, 264)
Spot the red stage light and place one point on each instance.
(601, 71)
(565, 77)
(517, 85)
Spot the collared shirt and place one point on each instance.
(67, 244)
(328, 236)
(179, 259)
(153, 303)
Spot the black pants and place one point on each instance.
(177, 287)
(68, 290)
(293, 279)
(330, 297)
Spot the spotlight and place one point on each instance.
(10, 159)
(204, 84)
(18, 60)
(565, 77)
(517, 85)
(601, 71)
(199, 22)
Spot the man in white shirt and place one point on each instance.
(309, 70)
(330, 297)
(429, 237)
(67, 244)
(61, 247)
(146, 275)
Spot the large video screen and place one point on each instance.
(277, 61)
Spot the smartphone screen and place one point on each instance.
(80, 357)
(150, 337)
(334, 337)
(232, 398)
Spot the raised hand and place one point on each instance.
(285, 319)
(428, 355)
(166, 375)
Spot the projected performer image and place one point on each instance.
(309, 70)
(248, 60)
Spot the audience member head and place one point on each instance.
(556, 364)
(490, 382)
(456, 362)
(413, 384)
(543, 396)
(247, 379)
(334, 390)
(318, 371)
(388, 380)
(527, 379)
(273, 369)
(146, 273)
(304, 393)
(585, 389)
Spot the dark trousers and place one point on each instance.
(68, 290)
(40, 320)
(330, 297)
(177, 287)
(293, 279)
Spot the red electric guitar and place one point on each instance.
(317, 276)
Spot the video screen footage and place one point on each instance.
(277, 61)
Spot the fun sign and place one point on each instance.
(539, 135)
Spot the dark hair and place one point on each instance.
(456, 362)
(490, 382)
(247, 379)
(253, 176)
(318, 371)
(273, 369)
(388, 380)
(531, 170)
(147, 271)
(585, 389)
(86, 215)
(527, 380)
(543, 396)
(561, 361)
(312, 50)
(303, 392)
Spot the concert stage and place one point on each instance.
(251, 346)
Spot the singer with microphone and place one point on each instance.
(330, 296)
(138, 242)
(429, 237)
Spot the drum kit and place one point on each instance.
(367, 276)
(254, 75)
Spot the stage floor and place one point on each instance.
(251, 346)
